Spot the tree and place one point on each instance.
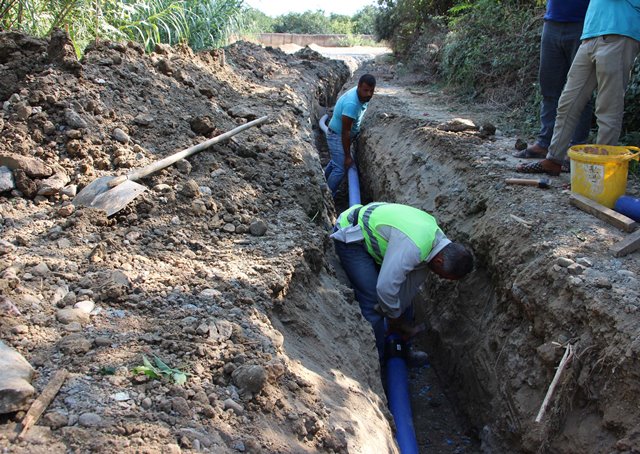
(364, 20)
(309, 22)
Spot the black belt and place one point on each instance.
(331, 130)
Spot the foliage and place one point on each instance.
(309, 22)
(364, 20)
(631, 124)
(399, 21)
(350, 40)
(199, 23)
(256, 21)
(340, 24)
(160, 370)
(315, 22)
(493, 44)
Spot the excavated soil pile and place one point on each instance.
(545, 279)
(218, 270)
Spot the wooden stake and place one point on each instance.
(566, 359)
(42, 402)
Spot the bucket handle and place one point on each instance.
(635, 155)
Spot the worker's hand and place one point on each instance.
(348, 161)
(404, 328)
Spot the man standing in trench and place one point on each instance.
(344, 128)
(387, 249)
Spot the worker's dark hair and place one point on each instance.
(367, 79)
(458, 260)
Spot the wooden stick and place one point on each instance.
(42, 402)
(566, 359)
(602, 212)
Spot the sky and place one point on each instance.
(275, 8)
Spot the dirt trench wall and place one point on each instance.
(495, 337)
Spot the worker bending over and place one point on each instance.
(387, 250)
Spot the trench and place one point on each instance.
(439, 405)
(544, 281)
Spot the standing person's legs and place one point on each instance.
(554, 65)
(334, 172)
(614, 56)
(581, 81)
(362, 271)
(571, 44)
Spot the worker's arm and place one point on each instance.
(401, 274)
(347, 124)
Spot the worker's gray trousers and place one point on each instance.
(604, 63)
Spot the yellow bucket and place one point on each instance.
(599, 172)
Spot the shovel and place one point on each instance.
(112, 194)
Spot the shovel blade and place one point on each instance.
(99, 195)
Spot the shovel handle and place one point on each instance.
(166, 162)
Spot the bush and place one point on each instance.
(494, 47)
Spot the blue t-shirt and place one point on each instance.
(612, 17)
(348, 105)
(566, 10)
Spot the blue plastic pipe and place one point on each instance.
(397, 374)
(354, 185)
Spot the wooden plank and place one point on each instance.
(42, 402)
(627, 246)
(602, 212)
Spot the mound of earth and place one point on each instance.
(218, 270)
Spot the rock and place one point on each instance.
(180, 406)
(66, 211)
(23, 111)
(162, 188)
(69, 315)
(457, 125)
(250, 378)
(146, 403)
(564, 262)
(191, 189)
(75, 344)
(102, 341)
(143, 119)
(24, 184)
(15, 380)
(90, 420)
(70, 190)
(488, 129)
(234, 406)
(198, 207)
(55, 420)
(119, 135)
(229, 228)
(575, 269)
(584, 262)
(20, 329)
(184, 166)
(7, 182)
(520, 145)
(85, 306)
(548, 353)
(53, 185)
(41, 269)
(6, 247)
(202, 125)
(73, 119)
(245, 112)
(32, 167)
(258, 228)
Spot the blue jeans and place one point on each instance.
(560, 42)
(362, 271)
(335, 171)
